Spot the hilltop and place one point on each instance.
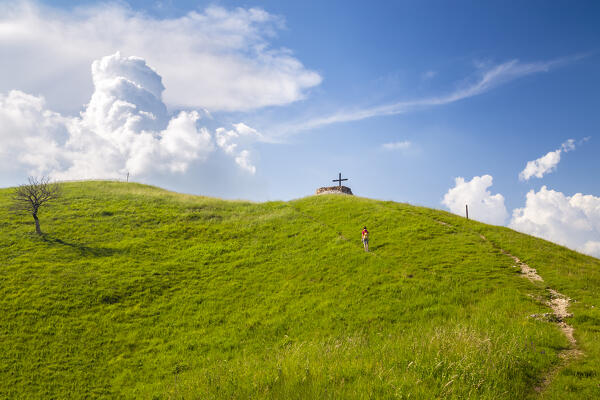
(137, 292)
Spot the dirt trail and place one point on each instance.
(559, 304)
(526, 270)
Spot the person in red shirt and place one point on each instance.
(365, 238)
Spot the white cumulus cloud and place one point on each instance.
(546, 163)
(233, 139)
(30, 134)
(124, 128)
(483, 206)
(218, 58)
(573, 221)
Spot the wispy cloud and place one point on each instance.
(429, 74)
(396, 145)
(484, 81)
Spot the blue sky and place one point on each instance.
(455, 89)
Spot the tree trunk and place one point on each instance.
(37, 224)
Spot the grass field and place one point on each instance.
(136, 292)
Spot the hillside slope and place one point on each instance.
(136, 292)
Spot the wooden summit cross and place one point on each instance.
(336, 189)
(339, 180)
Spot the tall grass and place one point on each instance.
(136, 292)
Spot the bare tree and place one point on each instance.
(28, 198)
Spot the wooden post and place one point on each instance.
(467, 210)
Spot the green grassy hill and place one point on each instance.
(136, 292)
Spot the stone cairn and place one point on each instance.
(339, 189)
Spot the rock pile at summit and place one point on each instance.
(339, 189)
(335, 190)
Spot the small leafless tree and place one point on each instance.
(28, 198)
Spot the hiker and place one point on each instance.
(365, 238)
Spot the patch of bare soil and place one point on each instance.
(560, 310)
(526, 270)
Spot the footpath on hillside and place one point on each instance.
(558, 303)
